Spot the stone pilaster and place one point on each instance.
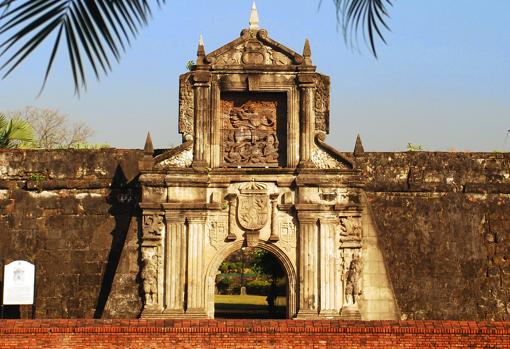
(196, 273)
(308, 266)
(175, 271)
(329, 278)
(307, 111)
(201, 86)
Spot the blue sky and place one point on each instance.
(443, 80)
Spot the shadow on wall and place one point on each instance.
(123, 198)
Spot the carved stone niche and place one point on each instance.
(253, 129)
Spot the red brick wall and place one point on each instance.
(152, 334)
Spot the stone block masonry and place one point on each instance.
(205, 334)
(442, 222)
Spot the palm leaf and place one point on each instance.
(363, 16)
(93, 32)
(15, 133)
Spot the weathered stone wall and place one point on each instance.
(444, 228)
(443, 221)
(74, 213)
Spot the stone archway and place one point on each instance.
(222, 254)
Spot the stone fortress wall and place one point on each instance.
(441, 222)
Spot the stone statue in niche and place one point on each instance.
(352, 284)
(150, 279)
(249, 133)
(153, 224)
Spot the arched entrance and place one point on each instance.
(279, 255)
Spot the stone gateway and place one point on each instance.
(253, 170)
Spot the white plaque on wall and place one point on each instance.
(19, 281)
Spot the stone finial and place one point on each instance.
(307, 53)
(200, 50)
(358, 147)
(254, 18)
(148, 149)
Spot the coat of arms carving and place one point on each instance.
(253, 207)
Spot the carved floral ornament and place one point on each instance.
(153, 224)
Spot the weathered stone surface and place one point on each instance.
(76, 233)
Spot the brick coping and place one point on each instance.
(252, 326)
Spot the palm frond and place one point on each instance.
(93, 32)
(363, 16)
(15, 133)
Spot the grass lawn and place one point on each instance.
(238, 299)
(245, 306)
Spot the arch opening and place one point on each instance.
(257, 282)
(251, 283)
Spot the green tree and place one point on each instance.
(96, 32)
(15, 133)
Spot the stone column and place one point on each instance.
(274, 223)
(308, 266)
(175, 271)
(232, 206)
(307, 111)
(196, 273)
(201, 88)
(329, 278)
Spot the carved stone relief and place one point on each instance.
(350, 230)
(351, 275)
(287, 233)
(253, 206)
(150, 263)
(352, 281)
(218, 230)
(322, 104)
(153, 225)
(321, 159)
(253, 52)
(186, 105)
(249, 133)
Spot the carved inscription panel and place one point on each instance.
(250, 131)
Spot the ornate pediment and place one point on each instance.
(254, 47)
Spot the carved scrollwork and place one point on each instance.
(153, 225)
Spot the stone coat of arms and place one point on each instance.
(253, 207)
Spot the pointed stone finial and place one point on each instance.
(307, 53)
(148, 149)
(358, 147)
(200, 51)
(254, 18)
